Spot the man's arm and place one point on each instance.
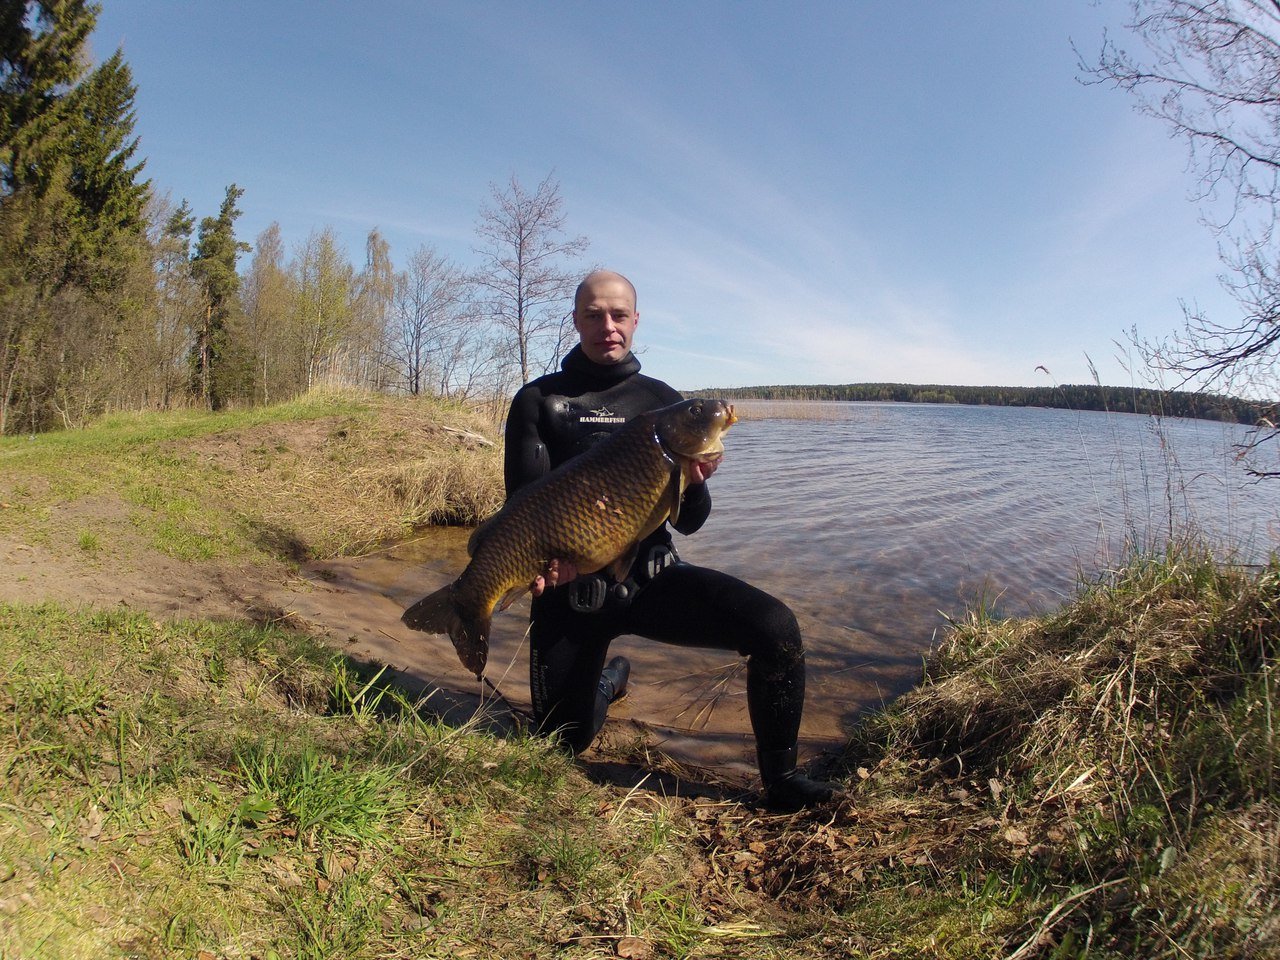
(696, 505)
(525, 457)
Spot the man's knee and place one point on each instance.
(775, 633)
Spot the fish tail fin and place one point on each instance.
(439, 613)
(432, 613)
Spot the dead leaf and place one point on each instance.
(91, 825)
(996, 787)
(1015, 836)
(633, 948)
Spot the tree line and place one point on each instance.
(1164, 403)
(113, 297)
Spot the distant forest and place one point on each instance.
(1161, 403)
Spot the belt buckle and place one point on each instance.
(660, 557)
(587, 594)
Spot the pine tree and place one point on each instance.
(177, 303)
(110, 201)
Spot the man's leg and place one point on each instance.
(569, 684)
(699, 607)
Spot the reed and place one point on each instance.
(789, 410)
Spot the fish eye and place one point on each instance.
(696, 410)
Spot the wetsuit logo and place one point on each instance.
(601, 415)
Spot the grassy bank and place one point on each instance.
(330, 474)
(1098, 782)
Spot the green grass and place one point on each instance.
(122, 431)
(157, 805)
(1098, 782)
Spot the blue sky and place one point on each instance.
(802, 192)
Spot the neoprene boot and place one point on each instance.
(785, 787)
(613, 678)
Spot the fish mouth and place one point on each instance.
(710, 459)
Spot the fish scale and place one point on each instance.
(592, 511)
(580, 518)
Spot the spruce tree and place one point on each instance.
(72, 210)
(214, 268)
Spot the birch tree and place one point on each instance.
(323, 312)
(430, 322)
(527, 273)
(1209, 70)
(268, 304)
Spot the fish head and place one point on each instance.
(693, 428)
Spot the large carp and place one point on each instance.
(593, 510)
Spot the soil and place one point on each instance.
(355, 604)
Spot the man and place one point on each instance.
(573, 619)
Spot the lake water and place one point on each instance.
(876, 520)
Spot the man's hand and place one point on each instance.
(558, 572)
(700, 470)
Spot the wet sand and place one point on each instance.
(683, 705)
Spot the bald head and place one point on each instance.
(600, 277)
(605, 315)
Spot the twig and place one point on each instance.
(468, 435)
(1054, 915)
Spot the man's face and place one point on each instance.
(605, 317)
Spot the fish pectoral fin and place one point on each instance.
(622, 565)
(511, 596)
(675, 493)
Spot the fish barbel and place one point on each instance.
(593, 511)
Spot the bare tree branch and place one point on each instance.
(1211, 73)
(527, 277)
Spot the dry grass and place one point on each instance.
(345, 483)
(789, 410)
(1101, 782)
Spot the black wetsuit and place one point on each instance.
(559, 416)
